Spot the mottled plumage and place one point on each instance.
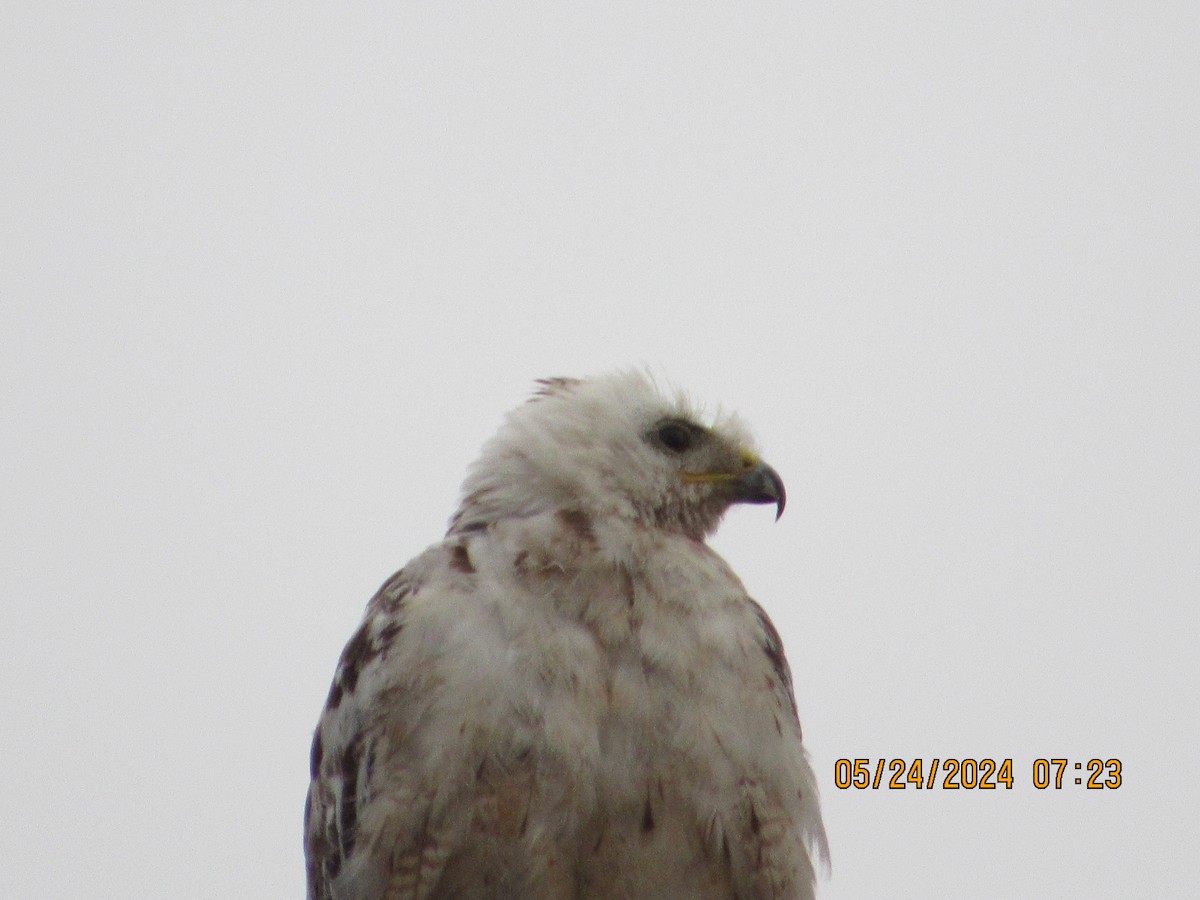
(571, 696)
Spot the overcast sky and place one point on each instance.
(271, 273)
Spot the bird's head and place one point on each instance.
(615, 445)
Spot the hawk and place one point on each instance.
(571, 695)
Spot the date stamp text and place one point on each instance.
(953, 774)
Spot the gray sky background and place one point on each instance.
(273, 272)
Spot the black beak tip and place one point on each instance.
(780, 492)
(762, 484)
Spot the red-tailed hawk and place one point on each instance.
(571, 695)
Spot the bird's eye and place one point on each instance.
(675, 436)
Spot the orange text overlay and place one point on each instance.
(953, 774)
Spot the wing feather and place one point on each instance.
(345, 746)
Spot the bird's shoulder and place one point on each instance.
(508, 614)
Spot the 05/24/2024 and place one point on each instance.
(984, 774)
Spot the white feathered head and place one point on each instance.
(614, 445)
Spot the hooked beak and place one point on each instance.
(761, 484)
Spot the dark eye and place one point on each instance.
(675, 436)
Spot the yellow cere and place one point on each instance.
(749, 459)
